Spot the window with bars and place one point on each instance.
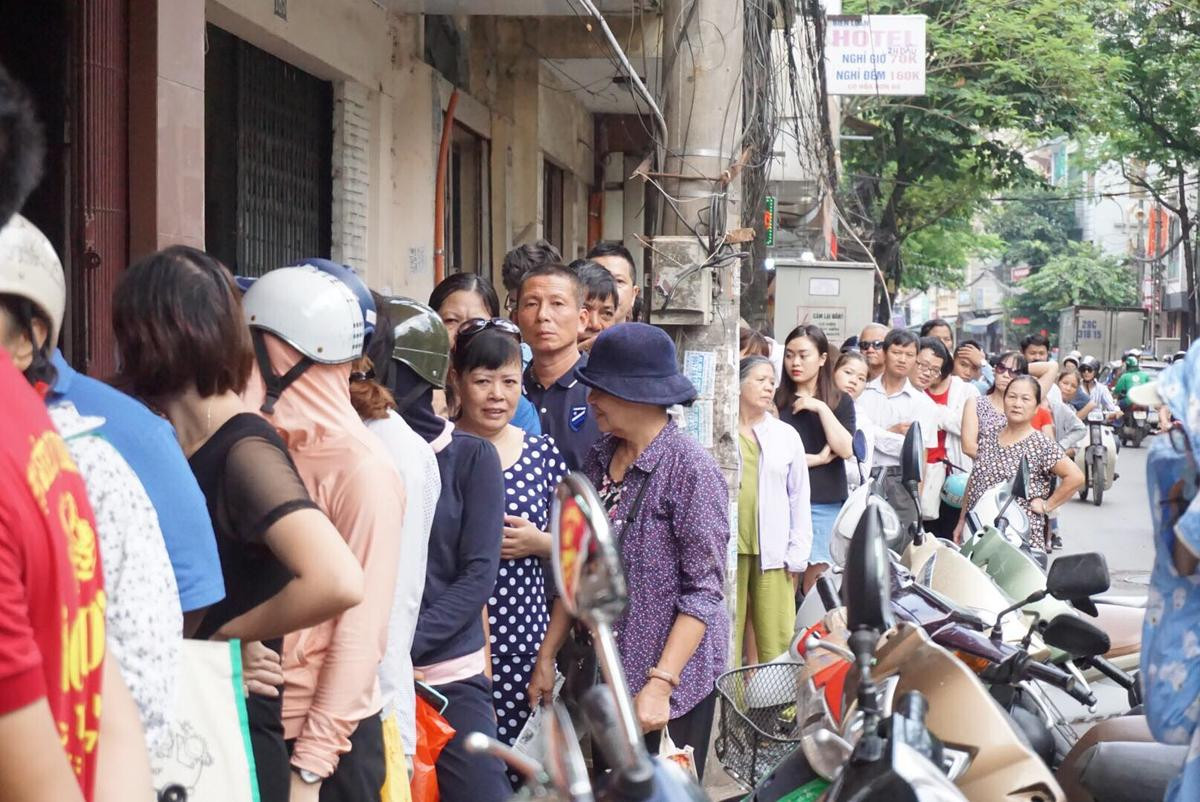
(268, 146)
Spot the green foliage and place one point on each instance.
(999, 72)
(1078, 275)
(1151, 111)
(937, 256)
(1033, 229)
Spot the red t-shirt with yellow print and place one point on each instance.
(51, 585)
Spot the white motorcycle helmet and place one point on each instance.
(30, 269)
(310, 310)
(849, 516)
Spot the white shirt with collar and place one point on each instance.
(908, 405)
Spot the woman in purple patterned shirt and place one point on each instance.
(669, 505)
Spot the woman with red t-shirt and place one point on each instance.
(951, 395)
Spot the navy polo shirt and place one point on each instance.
(565, 414)
(148, 444)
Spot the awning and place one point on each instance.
(981, 323)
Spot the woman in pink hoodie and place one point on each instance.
(307, 327)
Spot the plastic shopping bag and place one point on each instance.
(685, 757)
(396, 786)
(433, 733)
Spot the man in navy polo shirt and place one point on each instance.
(148, 444)
(551, 313)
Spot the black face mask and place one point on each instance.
(275, 383)
(414, 400)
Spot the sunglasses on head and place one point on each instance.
(870, 345)
(475, 325)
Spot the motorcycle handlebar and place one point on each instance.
(631, 783)
(1060, 679)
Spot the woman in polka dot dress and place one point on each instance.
(487, 380)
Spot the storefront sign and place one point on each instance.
(769, 222)
(881, 54)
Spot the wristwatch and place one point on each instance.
(309, 777)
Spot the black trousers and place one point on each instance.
(463, 777)
(943, 525)
(362, 770)
(693, 728)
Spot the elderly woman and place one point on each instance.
(669, 505)
(774, 519)
(1000, 457)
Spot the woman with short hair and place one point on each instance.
(774, 519)
(486, 370)
(185, 350)
(669, 504)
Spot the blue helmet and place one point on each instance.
(359, 287)
(953, 490)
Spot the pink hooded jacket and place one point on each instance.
(331, 670)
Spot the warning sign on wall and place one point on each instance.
(830, 319)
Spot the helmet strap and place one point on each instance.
(275, 383)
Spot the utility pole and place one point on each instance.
(697, 273)
(702, 58)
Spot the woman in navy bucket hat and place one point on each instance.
(669, 505)
(636, 362)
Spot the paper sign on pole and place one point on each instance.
(880, 54)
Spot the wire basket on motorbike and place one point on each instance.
(762, 715)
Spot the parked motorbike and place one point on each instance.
(591, 583)
(1098, 460)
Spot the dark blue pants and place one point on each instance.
(463, 777)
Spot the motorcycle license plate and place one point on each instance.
(1139, 414)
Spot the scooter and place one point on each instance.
(591, 583)
(1135, 425)
(1098, 460)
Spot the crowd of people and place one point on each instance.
(978, 418)
(357, 489)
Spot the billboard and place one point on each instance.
(878, 54)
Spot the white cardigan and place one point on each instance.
(950, 417)
(785, 532)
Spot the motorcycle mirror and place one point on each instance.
(866, 589)
(1020, 482)
(1076, 637)
(859, 445)
(1074, 577)
(587, 566)
(912, 457)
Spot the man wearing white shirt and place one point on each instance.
(893, 405)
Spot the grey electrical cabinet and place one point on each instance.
(837, 296)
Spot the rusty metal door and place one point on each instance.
(100, 149)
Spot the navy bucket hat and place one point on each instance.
(636, 362)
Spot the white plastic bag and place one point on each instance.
(684, 757)
(529, 741)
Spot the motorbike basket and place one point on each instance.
(760, 718)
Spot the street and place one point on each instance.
(1119, 528)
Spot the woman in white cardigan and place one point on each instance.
(951, 396)
(774, 517)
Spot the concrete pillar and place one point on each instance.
(166, 124)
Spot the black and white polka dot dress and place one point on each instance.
(517, 611)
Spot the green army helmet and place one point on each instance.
(419, 338)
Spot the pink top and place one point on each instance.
(331, 670)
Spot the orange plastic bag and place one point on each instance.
(433, 733)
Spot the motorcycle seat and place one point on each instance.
(1124, 628)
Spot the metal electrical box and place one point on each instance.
(682, 292)
(837, 296)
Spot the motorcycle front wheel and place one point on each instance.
(1087, 480)
(1097, 478)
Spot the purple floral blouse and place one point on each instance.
(674, 556)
